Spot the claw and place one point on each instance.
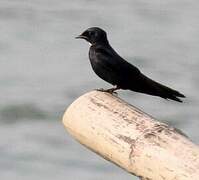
(111, 90)
(101, 89)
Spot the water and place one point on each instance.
(43, 69)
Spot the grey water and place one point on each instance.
(43, 69)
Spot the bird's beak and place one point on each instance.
(81, 37)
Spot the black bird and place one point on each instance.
(112, 68)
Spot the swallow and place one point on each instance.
(112, 68)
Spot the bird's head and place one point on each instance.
(94, 35)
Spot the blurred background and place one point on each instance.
(43, 69)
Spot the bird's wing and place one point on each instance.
(115, 69)
(115, 62)
(130, 77)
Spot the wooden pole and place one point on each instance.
(128, 137)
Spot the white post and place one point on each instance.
(130, 138)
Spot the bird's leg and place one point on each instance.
(111, 90)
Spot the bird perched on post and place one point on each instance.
(112, 68)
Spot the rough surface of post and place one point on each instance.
(131, 139)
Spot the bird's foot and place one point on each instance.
(101, 89)
(111, 90)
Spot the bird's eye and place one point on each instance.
(91, 33)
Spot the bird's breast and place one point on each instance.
(102, 68)
(93, 59)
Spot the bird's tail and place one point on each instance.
(157, 89)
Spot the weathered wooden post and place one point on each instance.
(130, 138)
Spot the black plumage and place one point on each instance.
(112, 68)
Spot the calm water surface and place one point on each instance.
(43, 69)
